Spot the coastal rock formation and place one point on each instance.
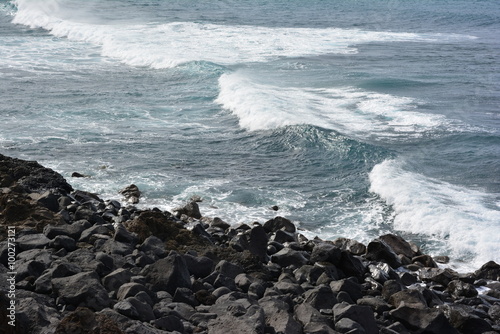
(88, 265)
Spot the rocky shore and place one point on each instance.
(88, 265)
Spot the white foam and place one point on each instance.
(452, 215)
(348, 110)
(168, 45)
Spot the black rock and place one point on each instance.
(378, 250)
(279, 223)
(363, 315)
(430, 321)
(168, 274)
(191, 209)
(131, 193)
(321, 297)
(287, 257)
(326, 252)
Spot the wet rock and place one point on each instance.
(351, 265)
(441, 276)
(191, 209)
(489, 270)
(350, 245)
(461, 289)
(378, 250)
(279, 223)
(426, 260)
(83, 289)
(410, 297)
(131, 193)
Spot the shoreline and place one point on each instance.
(129, 270)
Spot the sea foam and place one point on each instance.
(450, 214)
(348, 110)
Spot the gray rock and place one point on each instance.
(168, 274)
(153, 245)
(257, 243)
(410, 297)
(170, 323)
(32, 263)
(63, 241)
(351, 265)
(287, 257)
(114, 247)
(321, 297)
(32, 241)
(131, 193)
(229, 269)
(346, 325)
(363, 315)
(489, 270)
(308, 273)
(83, 289)
(390, 287)
(198, 266)
(326, 252)
(123, 235)
(441, 276)
(376, 303)
(33, 316)
(129, 290)
(191, 209)
(96, 229)
(462, 318)
(278, 316)
(73, 230)
(279, 223)
(379, 251)
(251, 322)
(308, 316)
(460, 289)
(430, 321)
(185, 295)
(352, 288)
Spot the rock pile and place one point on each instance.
(87, 265)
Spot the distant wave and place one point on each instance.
(168, 45)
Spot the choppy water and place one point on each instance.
(356, 118)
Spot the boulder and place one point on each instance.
(288, 256)
(257, 242)
(32, 241)
(199, 266)
(116, 279)
(191, 209)
(168, 274)
(352, 288)
(460, 289)
(83, 289)
(279, 223)
(321, 297)
(489, 270)
(378, 250)
(421, 320)
(131, 193)
(363, 315)
(278, 316)
(326, 252)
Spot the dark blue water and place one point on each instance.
(356, 118)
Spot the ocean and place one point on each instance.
(356, 118)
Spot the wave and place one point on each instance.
(445, 213)
(159, 45)
(348, 110)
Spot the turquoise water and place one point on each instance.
(356, 118)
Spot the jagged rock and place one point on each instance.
(390, 287)
(250, 320)
(351, 265)
(32, 263)
(308, 316)
(430, 321)
(278, 316)
(63, 241)
(378, 250)
(350, 245)
(326, 252)
(489, 270)
(441, 276)
(170, 323)
(191, 209)
(411, 297)
(279, 223)
(84, 320)
(363, 315)
(34, 316)
(116, 279)
(321, 297)
(308, 273)
(346, 325)
(168, 274)
(382, 272)
(257, 243)
(463, 319)
(461, 289)
(348, 285)
(83, 289)
(106, 230)
(73, 230)
(199, 266)
(131, 193)
(287, 257)
(130, 290)
(229, 269)
(376, 303)
(426, 260)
